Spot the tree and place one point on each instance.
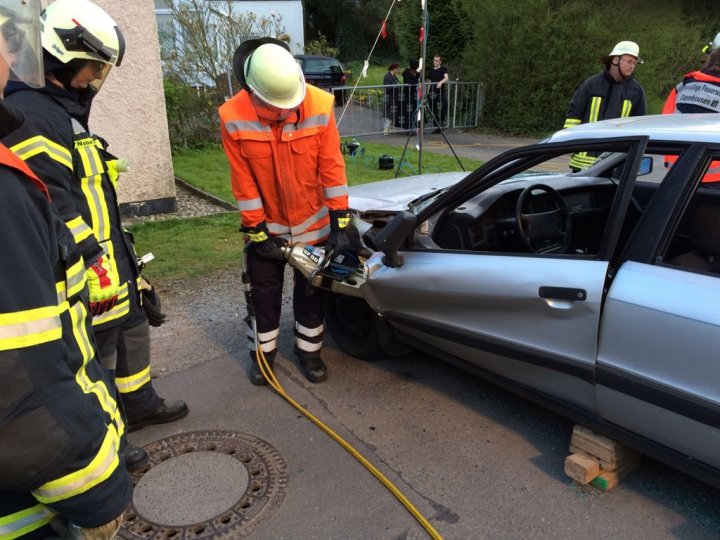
(199, 49)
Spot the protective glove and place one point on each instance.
(343, 234)
(114, 168)
(104, 283)
(265, 245)
(151, 303)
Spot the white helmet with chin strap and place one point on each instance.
(78, 30)
(266, 67)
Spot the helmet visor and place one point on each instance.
(101, 72)
(20, 41)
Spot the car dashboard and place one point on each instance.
(487, 221)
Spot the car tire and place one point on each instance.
(339, 97)
(352, 325)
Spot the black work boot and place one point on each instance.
(256, 376)
(135, 457)
(314, 369)
(164, 412)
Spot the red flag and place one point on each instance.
(383, 30)
(422, 34)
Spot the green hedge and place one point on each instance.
(192, 116)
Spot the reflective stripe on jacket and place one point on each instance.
(288, 175)
(698, 92)
(601, 98)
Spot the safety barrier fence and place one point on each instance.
(365, 111)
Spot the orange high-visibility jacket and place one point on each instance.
(698, 92)
(290, 174)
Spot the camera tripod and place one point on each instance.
(418, 117)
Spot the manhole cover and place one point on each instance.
(205, 484)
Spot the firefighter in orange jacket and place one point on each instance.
(288, 176)
(699, 92)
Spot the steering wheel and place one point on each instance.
(545, 231)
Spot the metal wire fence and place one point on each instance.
(364, 110)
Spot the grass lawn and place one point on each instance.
(189, 248)
(208, 169)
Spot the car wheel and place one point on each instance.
(351, 324)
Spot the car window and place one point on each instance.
(695, 243)
(321, 65)
(541, 205)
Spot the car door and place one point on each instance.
(496, 312)
(530, 318)
(658, 364)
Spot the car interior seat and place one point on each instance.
(704, 230)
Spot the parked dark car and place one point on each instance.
(594, 293)
(324, 72)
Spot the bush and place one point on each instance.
(193, 120)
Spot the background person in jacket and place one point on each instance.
(613, 93)
(60, 425)
(81, 43)
(392, 97)
(409, 95)
(698, 92)
(288, 176)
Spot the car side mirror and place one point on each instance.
(393, 235)
(646, 166)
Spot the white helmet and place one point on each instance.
(272, 73)
(20, 41)
(81, 30)
(622, 48)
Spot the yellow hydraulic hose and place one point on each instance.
(273, 381)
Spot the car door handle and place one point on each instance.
(563, 293)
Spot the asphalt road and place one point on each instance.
(477, 461)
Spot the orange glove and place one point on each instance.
(104, 283)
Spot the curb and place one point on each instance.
(205, 195)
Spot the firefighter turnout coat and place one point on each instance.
(75, 165)
(60, 425)
(698, 92)
(288, 174)
(602, 98)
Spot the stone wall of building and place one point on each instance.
(129, 112)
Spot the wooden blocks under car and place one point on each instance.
(598, 460)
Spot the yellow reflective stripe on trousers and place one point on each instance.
(38, 145)
(78, 313)
(25, 521)
(79, 229)
(626, 108)
(594, 109)
(581, 160)
(97, 471)
(125, 385)
(21, 329)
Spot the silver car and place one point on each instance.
(595, 293)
